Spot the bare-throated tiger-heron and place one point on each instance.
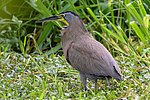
(83, 52)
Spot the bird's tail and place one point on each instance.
(120, 78)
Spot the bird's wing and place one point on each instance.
(89, 56)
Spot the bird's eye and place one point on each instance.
(63, 15)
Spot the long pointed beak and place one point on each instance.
(52, 18)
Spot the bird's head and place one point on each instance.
(65, 17)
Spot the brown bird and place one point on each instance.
(83, 52)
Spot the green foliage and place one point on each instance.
(122, 26)
(118, 23)
(14, 30)
(49, 77)
(115, 19)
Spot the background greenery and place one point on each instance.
(32, 65)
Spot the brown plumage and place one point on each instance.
(84, 53)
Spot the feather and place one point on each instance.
(90, 57)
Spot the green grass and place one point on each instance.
(32, 65)
(41, 77)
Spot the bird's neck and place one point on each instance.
(74, 30)
(71, 34)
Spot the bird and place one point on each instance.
(84, 53)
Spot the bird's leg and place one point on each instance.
(95, 84)
(107, 81)
(83, 80)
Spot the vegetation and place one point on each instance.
(32, 65)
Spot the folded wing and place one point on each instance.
(90, 57)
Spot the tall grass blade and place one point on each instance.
(138, 31)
